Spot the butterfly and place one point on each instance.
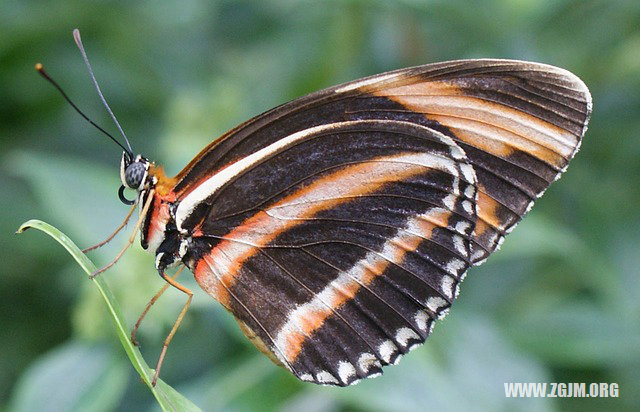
(336, 228)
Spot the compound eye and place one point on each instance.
(134, 174)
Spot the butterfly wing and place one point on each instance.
(336, 227)
(519, 123)
(359, 241)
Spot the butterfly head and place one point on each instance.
(133, 172)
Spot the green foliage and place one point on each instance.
(559, 303)
(65, 363)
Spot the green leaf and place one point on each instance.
(168, 398)
(93, 378)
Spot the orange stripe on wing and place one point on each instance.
(492, 127)
(501, 142)
(244, 241)
(309, 317)
(488, 209)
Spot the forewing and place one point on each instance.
(519, 124)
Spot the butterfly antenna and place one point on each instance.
(44, 74)
(76, 37)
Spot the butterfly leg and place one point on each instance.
(181, 288)
(145, 209)
(149, 304)
(107, 240)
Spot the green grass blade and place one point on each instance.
(168, 398)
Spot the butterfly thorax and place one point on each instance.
(157, 232)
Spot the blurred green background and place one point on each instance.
(559, 303)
